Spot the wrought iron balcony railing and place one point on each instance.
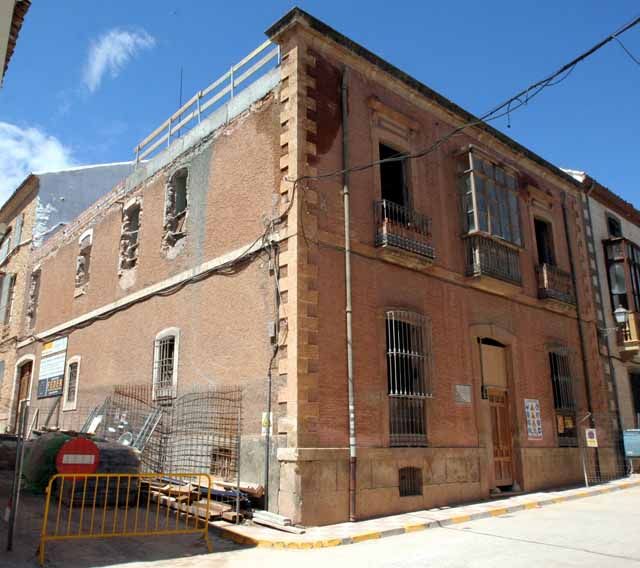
(488, 257)
(403, 228)
(555, 284)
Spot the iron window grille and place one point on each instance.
(489, 198)
(165, 367)
(563, 397)
(409, 364)
(410, 481)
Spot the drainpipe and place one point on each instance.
(348, 309)
(583, 349)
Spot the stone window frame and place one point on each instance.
(164, 334)
(122, 259)
(174, 224)
(84, 251)
(66, 404)
(394, 129)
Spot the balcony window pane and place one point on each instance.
(481, 202)
(515, 218)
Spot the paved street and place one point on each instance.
(596, 531)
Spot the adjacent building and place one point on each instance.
(416, 313)
(40, 207)
(613, 240)
(12, 14)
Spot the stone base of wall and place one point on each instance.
(544, 468)
(314, 483)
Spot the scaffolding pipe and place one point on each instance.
(348, 309)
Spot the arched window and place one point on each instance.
(165, 364)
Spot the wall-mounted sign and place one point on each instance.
(52, 363)
(267, 423)
(591, 437)
(534, 419)
(463, 394)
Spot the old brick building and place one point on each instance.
(222, 261)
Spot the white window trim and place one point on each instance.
(168, 332)
(66, 405)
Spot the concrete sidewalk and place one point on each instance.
(350, 533)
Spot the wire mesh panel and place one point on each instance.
(408, 341)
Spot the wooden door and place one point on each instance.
(501, 433)
(24, 380)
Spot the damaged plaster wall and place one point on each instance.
(63, 195)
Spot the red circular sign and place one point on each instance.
(78, 456)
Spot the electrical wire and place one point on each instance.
(633, 58)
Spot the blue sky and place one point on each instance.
(90, 79)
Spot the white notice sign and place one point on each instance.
(534, 420)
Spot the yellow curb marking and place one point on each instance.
(460, 519)
(414, 528)
(331, 542)
(497, 512)
(559, 500)
(531, 505)
(265, 544)
(365, 536)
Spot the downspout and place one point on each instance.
(583, 349)
(347, 284)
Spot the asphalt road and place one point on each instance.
(602, 531)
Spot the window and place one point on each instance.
(408, 346)
(623, 271)
(34, 293)
(165, 364)
(614, 226)
(393, 177)
(5, 244)
(176, 203)
(563, 397)
(544, 242)
(489, 198)
(6, 297)
(17, 237)
(83, 259)
(410, 481)
(129, 236)
(71, 384)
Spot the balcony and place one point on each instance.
(489, 257)
(629, 337)
(403, 229)
(555, 284)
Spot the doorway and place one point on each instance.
(496, 392)
(22, 391)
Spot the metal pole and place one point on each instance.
(348, 304)
(239, 427)
(15, 489)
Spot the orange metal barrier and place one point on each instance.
(105, 505)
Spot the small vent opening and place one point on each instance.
(410, 481)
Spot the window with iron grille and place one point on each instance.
(71, 387)
(165, 365)
(563, 397)
(410, 481)
(408, 343)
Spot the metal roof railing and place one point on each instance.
(228, 85)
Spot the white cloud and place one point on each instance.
(111, 52)
(26, 150)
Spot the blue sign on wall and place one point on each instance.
(632, 443)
